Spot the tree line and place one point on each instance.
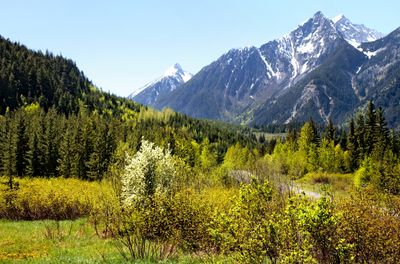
(35, 142)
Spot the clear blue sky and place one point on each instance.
(122, 45)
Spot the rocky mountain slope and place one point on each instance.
(323, 69)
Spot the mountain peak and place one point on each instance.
(173, 70)
(355, 34)
(338, 18)
(169, 81)
(318, 20)
(318, 15)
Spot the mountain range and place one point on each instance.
(325, 68)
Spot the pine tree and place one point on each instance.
(3, 134)
(83, 145)
(22, 144)
(308, 136)
(33, 155)
(67, 152)
(330, 132)
(360, 135)
(9, 148)
(370, 128)
(353, 147)
(381, 135)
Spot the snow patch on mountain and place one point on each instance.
(371, 54)
(337, 18)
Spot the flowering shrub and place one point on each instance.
(151, 170)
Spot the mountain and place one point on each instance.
(379, 78)
(318, 70)
(343, 83)
(324, 93)
(242, 79)
(172, 78)
(355, 34)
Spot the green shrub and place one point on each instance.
(263, 226)
(180, 220)
(55, 198)
(248, 230)
(372, 227)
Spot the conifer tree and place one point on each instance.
(370, 128)
(330, 131)
(9, 148)
(360, 135)
(21, 144)
(381, 135)
(3, 135)
(308, 136)
(67, 152)
(352, 146)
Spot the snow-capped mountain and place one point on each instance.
(323, 69)
(355, 34)
(243, 79)
(169, 81)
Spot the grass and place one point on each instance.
(335, 183)
(53, 242)
(69, 241)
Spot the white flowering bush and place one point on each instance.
(151, 170)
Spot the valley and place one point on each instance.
(284, 153)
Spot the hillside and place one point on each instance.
(28, 76)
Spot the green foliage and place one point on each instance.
(50, 199)
(155, 229)
(249, 227)
(39, 143)
(261, 226)
(371, 229)
(367, 172)
(330, 158)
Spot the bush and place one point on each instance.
(55, 198)
(179, 220)
(366, 174)
(371, 227)
(262, 227)
(248, 229)
(150, 171)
